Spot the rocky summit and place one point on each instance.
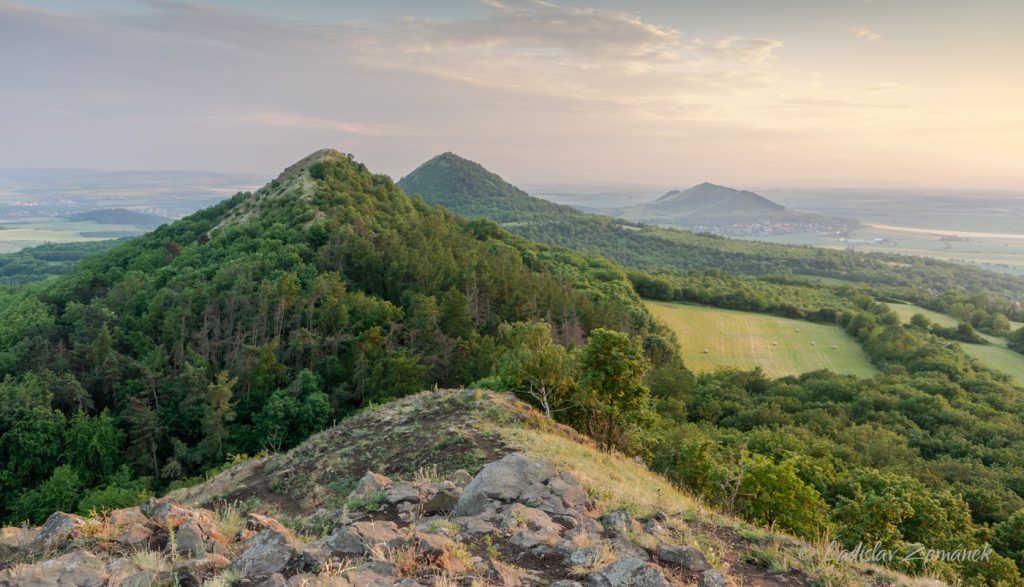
(547, 508)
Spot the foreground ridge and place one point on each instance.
(546, 508)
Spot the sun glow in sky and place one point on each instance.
(745, 92)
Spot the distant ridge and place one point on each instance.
(709, 207)
(121, 216)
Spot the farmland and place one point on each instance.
(745, 340)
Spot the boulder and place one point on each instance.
(267, 553)
(134, 536)
(78, 568)
(443, 501)
(461, 478)
(503, 481)
(13, 539)
(58, 526)
(374, 574)
(359, 538)
(628, 572)
(711, 578)
(401, 492)
(370, 484)
(687, 557)
(127, 516)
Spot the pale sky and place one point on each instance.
(671, 92)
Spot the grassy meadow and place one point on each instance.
(745, 340)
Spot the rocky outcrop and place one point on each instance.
(518, 522)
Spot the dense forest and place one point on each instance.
(37, 263)
(253, 324)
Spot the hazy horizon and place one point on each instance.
(847, 94)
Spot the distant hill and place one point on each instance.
(121, 216)
(722, 210)
(470, 190)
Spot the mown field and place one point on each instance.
(29, 232)
(746, 340)
(995, 354)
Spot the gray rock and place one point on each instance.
(443, 500)
(134, 536)
(566, 583)
(13, 539)
(628, 572)
(461, 478)
(687, 557)
(78, 568)
(58, 526)
(584, 557)
(370, 484)
(359, 538)
(711, 578)
(402, 492)
(620, 523)
(374, 574)
(267, 553)
(504, 481)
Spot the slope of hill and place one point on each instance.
(465, 487)
(721, 210)
(653, 248)
(252, 324)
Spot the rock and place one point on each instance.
(308, 580)
(562, 495)
(500, 574)
(271, 580)
(126, 516)
(433, 545)
(584, 557)
(374, 574)
(188, 540)
(402, 492)
(531, 526)
(687, 557)
(565, 583)
(78, 568)
(620, 523)
(628, 572)
(359, 538)
(58, 526)
(370, 484)
(268, 552)
(259, 522)
(443, 500)
(504, 480)
(461, 478)
(134, 536)
(13, 539)
(208, 564)
(711, 578)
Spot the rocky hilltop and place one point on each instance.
(457, 488)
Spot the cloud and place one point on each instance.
(863, 33)
(286, 120)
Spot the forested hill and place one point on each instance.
(470, 190)
(256, 322)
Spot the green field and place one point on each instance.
(29, 232)
(995, 354)
(745, 340)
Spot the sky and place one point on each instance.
(774, 93)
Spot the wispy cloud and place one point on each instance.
(863, 33)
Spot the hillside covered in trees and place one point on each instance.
(468, 189)
(250, 325)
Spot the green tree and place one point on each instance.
(219, 412)
(93, 447)
(59, 493)
(1008, 538)
(536, 367)
(613, 392)
(776, 496)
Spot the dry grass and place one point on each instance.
(613, 480)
